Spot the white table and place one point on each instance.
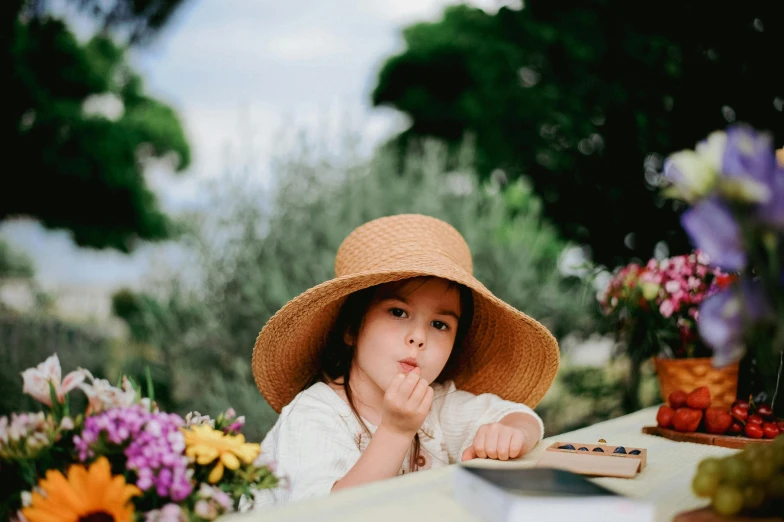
(427, 495)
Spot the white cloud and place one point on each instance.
(58, 261)
(405, 11)
(411, 11)
(307, 44)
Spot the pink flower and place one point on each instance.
(667, 308)
(36, 381)
(672, 286)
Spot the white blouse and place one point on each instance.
(317, 439)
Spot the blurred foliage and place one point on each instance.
(584, 395)
(586, 97)
(26, 340)
(255, 258)
(137, 21)
(90, 161)
(14, 264)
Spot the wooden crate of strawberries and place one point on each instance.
(689, 417)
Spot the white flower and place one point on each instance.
(692, 175)
(168, 513)
(3, 430)
(36, 380)
(67, 423)
(194, 418)
(205, 510)
(102, 395)
(712, 149)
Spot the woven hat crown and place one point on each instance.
(395, 242)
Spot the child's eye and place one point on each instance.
(440, 326)
(397, 312)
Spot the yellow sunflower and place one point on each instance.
(206, 444)
(86, 495)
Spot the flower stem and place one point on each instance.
(778, 381)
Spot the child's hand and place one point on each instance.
(406, 403)
(496, 441)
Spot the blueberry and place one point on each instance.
(582, 449)
(598, 449)
(635, 452)
(566, 447)
(620, 449)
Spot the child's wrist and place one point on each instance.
(394, 436)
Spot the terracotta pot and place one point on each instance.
(688, 374)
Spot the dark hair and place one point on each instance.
(337, 356)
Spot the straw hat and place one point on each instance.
(505, 352)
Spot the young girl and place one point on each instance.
(365, 368)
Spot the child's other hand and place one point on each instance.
(496, 441)
(406, 403)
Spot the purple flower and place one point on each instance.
(713, 230)
(726, 316)
(749, 159)
(153, 446)
(772, 212)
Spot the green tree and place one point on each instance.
(79, 169)
(586, 97)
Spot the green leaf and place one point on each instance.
(57, 408)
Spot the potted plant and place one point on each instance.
(733, 184)
(654, 310)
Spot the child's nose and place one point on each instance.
(415, 342)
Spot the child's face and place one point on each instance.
(408, 325)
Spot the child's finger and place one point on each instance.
(468, 454)
(504, 443)
(417, 394)
(408, 384)
(491, 444)
(394, 385)
(427, 400)
(516, 444)
(479, 444)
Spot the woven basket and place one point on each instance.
(688, 374)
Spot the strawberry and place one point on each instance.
(699, 399)
(686, 419)
(664, 416)
(717, 421)
(677, 399)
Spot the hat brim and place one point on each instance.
(505, 352)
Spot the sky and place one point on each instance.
(241, 74)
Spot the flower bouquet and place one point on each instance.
(121, 459)
(734, 186)
(656, 306)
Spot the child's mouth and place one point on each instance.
(408, 365)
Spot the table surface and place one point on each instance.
(427, 495)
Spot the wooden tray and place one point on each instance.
(602, 463)
(706, 514)
(725, 441)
